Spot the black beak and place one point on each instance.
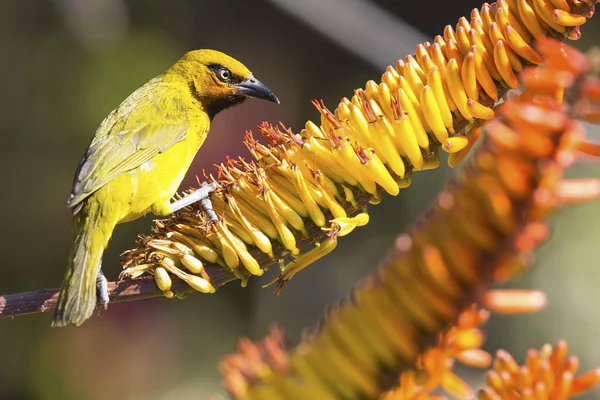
(255, 89)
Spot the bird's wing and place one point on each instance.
(125, 140)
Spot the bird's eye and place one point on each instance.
(224, 74)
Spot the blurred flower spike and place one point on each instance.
(509, 188)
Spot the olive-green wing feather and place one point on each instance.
(141, 127)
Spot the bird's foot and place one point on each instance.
(201, 195)
(102, 289)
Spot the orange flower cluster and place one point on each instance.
(510, 187)
(303, 191)
(255, 361)
(546, 374)
(434, 367)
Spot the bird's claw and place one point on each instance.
(201, 195)
(207, 204)
(102, 289)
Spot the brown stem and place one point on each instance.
(13, 305)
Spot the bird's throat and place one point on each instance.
(216, 106)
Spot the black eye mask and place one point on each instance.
(233, 79)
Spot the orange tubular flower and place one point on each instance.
(546, 374)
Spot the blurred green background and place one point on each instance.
(67, 63)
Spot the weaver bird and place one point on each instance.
(137, 159)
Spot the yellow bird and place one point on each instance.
(137, 159)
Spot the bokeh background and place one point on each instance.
(66, 63)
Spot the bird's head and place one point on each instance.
(220, 81)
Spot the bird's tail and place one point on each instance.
(77, 298)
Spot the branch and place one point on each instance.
(39, 301)
(44, 300)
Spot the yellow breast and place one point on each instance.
(154, 183)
